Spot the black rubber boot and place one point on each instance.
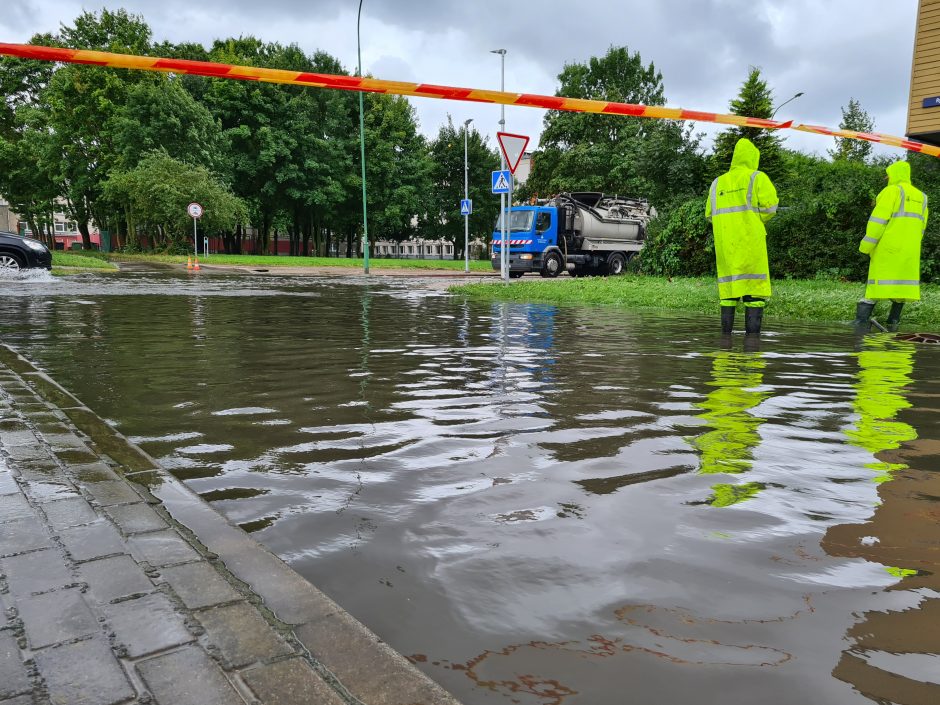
(727, 319)
(753, 317)
(863, 311)
(894, 316)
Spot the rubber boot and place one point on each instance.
(863, 311)
(753, 317)
(894, 316)
(727, 319)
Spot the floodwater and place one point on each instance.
(541, 505)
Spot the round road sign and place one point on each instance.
(194, 210)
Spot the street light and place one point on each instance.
(784, 103)
(466, 196)
(362, 150)
(504, 253)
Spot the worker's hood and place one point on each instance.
(746, 155)
(899, 172)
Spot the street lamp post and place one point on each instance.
(362, 150)
(504, 249)
(784, 103)
(466, 196)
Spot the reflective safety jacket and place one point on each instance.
(893, 236)
(739, 203)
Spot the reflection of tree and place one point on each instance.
(728, 447)
(892, 650)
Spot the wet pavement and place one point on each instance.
(109, 598)
(542, 505)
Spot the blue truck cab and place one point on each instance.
(533, 232)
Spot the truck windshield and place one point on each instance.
(519, 222)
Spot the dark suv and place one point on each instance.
(22, 253)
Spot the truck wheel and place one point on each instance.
(616, 264)
(552, 265)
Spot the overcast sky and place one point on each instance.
(831, 51)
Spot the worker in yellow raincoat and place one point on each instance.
(739, 203)
(892, 240)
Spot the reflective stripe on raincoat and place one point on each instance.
(893, 236)
(739, 203)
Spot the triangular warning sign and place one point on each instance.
(513, 147)
(501, 183)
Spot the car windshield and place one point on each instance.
(519, 222)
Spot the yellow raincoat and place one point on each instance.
(739, 203)
(893, 236)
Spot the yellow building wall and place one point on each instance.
(924, 123)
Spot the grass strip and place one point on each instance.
(288, 261)
(810, 300)
(68, 259)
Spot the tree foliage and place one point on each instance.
(855, 118)
(655, 159)
(447, 176)
(755, 99)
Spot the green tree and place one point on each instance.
(855, 118)
(398, 169)
(154, 195)
(447, 158)
(162, 114)
(656, 159)
(755, 99)
(82, 102)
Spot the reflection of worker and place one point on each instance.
(892, 240)
(727, 448)
(885, 368)
(739, 203)
(898, 535)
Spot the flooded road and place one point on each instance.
(540, 505)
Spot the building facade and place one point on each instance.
(923, 115)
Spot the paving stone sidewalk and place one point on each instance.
(109, 597)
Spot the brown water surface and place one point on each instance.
(541, 505)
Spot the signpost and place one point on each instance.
(500, 184)
(195, 212)
(466, 208)
(513, 147)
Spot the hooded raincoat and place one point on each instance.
(893, 236)
(739, 203)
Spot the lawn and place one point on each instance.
(815, 300)
(68, 259)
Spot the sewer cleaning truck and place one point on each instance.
(586, 233)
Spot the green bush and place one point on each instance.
(680, 242)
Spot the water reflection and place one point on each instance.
(736, 380)
(894, 652)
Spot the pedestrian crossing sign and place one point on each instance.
(501, 181)
(466, 206)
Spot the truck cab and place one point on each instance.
(533, 231)
(581, 233)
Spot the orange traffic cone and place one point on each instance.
(196, 264)
(189, 263)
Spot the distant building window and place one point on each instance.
(73, 227)
(59, 227)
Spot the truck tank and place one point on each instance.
(603, 222)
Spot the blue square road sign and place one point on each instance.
(466, 206)
(501, 181)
